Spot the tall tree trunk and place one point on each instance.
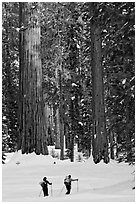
(61, 112)
(59, 116)
(60, 121)
(46, 111)
(51, 125)
(99, 139)
(32, 118)
(57, 142)
(57, 124)
(72, 135)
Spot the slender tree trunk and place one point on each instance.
(99, 139)
(128, 136)
(112, 156)
(32, 119)
(72, 110)
(21, 51)
(57, 146)
(59, 79)
(61, 112)
(51, 124)
(57, 142)
(46, 111)
(66, 133)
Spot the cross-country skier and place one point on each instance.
(44, 186)
(67, 182)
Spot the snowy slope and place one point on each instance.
(97, 182)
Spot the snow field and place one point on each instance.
(101, 182)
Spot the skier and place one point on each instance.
(67, 182)
(44, 186)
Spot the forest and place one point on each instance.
(68, 78)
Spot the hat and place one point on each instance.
(45, 178)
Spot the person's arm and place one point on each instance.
(74, 179)
(49, 183)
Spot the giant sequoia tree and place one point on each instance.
(32, 119)
(99, 136)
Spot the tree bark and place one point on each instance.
(60, 120)
(57, 143)
(112, 155)
(57, 124)
(99, 137)
(72, 136)
(32, 119)
(61, 113)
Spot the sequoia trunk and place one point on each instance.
(32, 118)
(99, 139)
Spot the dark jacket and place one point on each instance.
(44, 185)
(67, 181)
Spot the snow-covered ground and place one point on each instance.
(101, 182)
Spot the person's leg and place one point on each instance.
(46, 191)
(68, 189)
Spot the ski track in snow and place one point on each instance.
(101, 182)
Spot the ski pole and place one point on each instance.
(40, 193)
(51, 191)
(61, 190)
(77, 186)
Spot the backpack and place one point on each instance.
(66, 180)
(42, 184)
